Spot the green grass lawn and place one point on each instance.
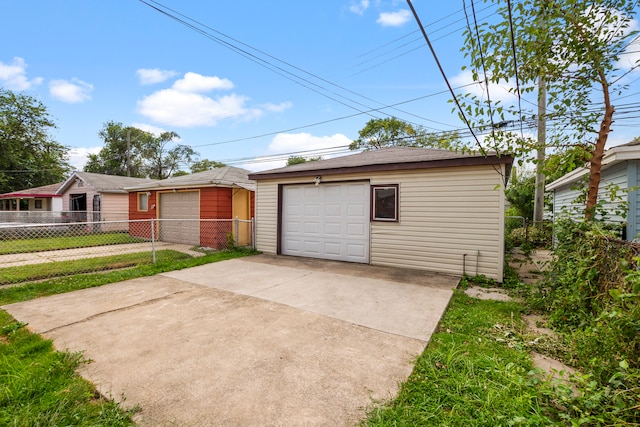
(48, 270)
(474, 372)
(13, 246)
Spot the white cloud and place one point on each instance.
(295, 142)
(630, 58)
(193, 82)
(394, 19)
(73, 91)
(497, 92)
(359, 7)
(154, 130)
(276, 108)
(185, 105)
(78, 157)
(149, 76)
(174, 108)
(14, 75)
(292, 142)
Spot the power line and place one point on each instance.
(444, 76)
(305, 82)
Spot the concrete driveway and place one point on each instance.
(252, 341)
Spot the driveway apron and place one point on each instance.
(251, 341)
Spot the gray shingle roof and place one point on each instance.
(105, 183)
(228, 176)
(385, 158)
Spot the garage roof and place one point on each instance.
(385, 159)
(227, 176)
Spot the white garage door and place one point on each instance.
(329, 221)
(180, 214)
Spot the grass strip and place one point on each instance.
(10, 246)
(39, 386)
(48, 270)
(71, 283)
(470, 374)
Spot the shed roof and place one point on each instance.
(228, 176)
(386, 159)
(104, 183)
(44, 191)
(613, 156)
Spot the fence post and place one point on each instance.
(253, 233)
(236, 225)
(153, 241)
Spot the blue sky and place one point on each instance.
(299, 76)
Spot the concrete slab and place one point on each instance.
(192, 354)
(409, 309)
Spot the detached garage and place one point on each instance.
(406, 207)
(181, 203)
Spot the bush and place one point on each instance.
(592, 295)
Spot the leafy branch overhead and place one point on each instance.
(391, 131)
(575, 46)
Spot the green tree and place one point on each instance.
(164, 161)
(575, 46)
(129, 151)
(205, 165)
(391, 131)
(520, 192)
(296, 160)
(123, 151)
(29, 156)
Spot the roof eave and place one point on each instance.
(383, 167)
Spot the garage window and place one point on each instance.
(143, 201)
(384, 201)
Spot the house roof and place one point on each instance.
(386, 159)
(228, 176)
(103, 183)
(44, 191)
(613, 156)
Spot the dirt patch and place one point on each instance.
(530, 267)
(496, 294)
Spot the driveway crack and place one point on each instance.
(282, 283)
(115, 310)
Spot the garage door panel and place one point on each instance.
(334, 249)
(355, 250)
(334, 219)
(333, 229)
(312, 228)
(312, 247)
(180, 214)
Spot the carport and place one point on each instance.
(261, 340)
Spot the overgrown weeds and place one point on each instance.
(591, 295)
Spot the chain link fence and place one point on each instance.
(36, 251)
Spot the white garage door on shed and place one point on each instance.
(329, 221)
(180, 214)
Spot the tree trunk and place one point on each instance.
(595, 164)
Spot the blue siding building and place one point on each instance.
(618, 191)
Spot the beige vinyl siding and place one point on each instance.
(444, 214)
(267, 216)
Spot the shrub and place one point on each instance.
(592, 295)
